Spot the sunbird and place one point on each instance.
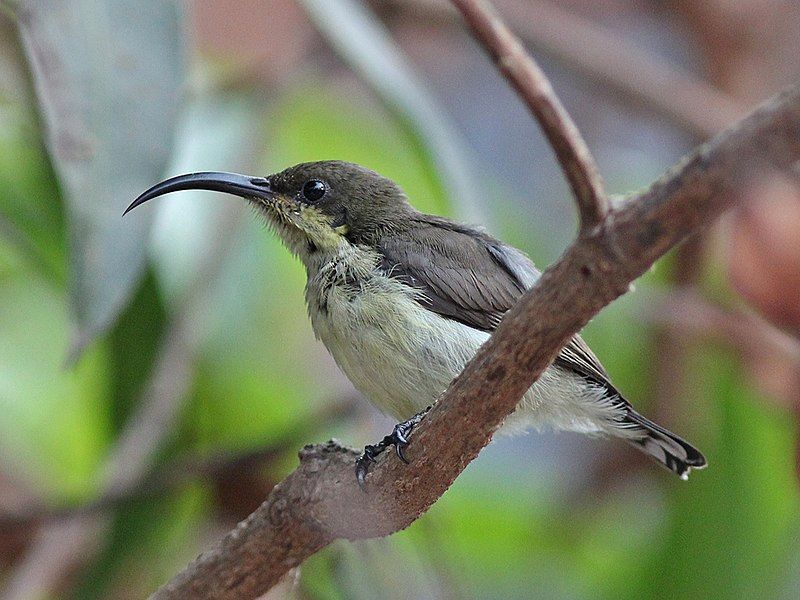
(402, 300)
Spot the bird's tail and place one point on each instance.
(668, 449)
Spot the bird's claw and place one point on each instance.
(398, 450)
(398, 438)
(362, 466)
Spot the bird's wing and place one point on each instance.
(470, 277)
(461, 273)
(578, 357)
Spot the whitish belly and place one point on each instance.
(403, 357)
(399, 355)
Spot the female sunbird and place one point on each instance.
(403, 300)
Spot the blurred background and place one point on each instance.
(158, 373)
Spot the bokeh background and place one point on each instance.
(158, 372)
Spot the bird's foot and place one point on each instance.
(398, 438)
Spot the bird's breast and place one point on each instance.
(394, 351)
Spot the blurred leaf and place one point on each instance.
(607, 541)
(501, 542)
(731, 529)
(153, 539)
(108, 75)
(319, 575)
(54, 422)
(30, 206)
(313, 124)
(134, 343)
(363, 42)
(215, 133)
(240, 406)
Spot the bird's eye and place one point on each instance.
(314, 190)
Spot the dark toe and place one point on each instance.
(399, 449)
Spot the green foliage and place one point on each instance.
(508, 528)
(727, 536)
(147, 543)
(30, 207)
(133, 348)
(87, 73)
(311, 125)
(54, 421)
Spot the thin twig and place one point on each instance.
(691, 102)
(535, 90)
(747, 331)
(614, 62)
(320, 501)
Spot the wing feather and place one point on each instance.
(468, 276)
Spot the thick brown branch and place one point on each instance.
(534, 88)
(320, 501)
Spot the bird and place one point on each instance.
(402, 301)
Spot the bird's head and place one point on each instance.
(312, 206)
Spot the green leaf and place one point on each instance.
(731, 528)
(30, 207)
(133, 346)
(154, 538)
(53, 422)
(108, 76)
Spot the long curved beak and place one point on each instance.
(230, 183)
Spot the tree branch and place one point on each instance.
(320, 501)
(606, 57)
(535, 90)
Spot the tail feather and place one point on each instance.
(665, 447)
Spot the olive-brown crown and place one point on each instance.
(363, 201)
